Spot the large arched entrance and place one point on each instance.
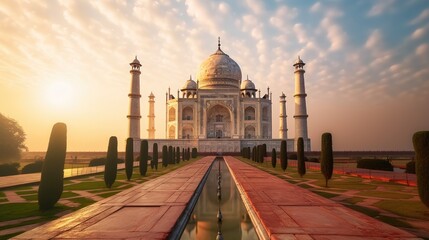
(218, 122)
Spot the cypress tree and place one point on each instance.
(283, 155)
(194, 152)
(51, 181)
(164, 156)
(254, 154)
(326, 157)
(257, 150)
(170, 155)
(300, 156)
(129, 158)
(183, 154)
(174, 156)
(248, 153)
(188, 154)
(421, 147)
(264, 149)
(273, 158)
(261, 154)
(144, 157)
(154, 162)
(111, 166)
(177, 154)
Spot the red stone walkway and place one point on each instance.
(147, 211)
(285, 211)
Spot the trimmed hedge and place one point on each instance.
(283, 155)
(129, 158)
(102, 161)
(33, 167)
(375, 164)
(7, 169)
(421, 147)
(273, 158)
(111, 166)
(301, 158)
(326, 157)
(411, 167)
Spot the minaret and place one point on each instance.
(151, 117)
(283, 123)
(134, 115)
(300, 105)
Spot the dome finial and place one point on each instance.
(218, 43)
(247, 76)
(190, 77)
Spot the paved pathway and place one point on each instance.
(22, 179)
(285, 211)
(146, 211)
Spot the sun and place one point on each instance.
(59, 94)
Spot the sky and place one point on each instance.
(367, 74)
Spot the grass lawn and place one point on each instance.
(11, 211)
(405, 208)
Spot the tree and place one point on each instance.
(144, 157)
(111, 167)
(12, 139)
(194, 152)
(283, 155)
(51, 181)
(421, 147)
(261, 153)
(129, 158)
(177, 154)
(326, 157)
(301, 159)
(183, 154)
(154, 162)
(164, 156)
(170, 155)
(273, 158)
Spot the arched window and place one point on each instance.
(172, 132)
(219, 118)
(172, 114)
(187, 113)
(249, 132)
(249, 113)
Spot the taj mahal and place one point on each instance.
(220, 112)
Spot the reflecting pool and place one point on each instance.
(219, 199)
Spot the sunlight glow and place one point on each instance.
(59, 94)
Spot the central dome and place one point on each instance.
(219, 71)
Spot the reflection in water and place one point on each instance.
(203, 223)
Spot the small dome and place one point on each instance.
(247, 85)
(190, 85)
(135, 62)
(299, 61)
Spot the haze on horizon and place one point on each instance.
(367, 75)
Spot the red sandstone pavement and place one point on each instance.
(147, 211)
(285, 211)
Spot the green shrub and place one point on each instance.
(7, 169)
(102, 161)
(144, 153)
(111, 166)
(129, 158)
(375, 164)
(273, 158)
(326, 157)
(170, 155)
(301, 159)
(51, 181)
(34, 167)
(411, 167)
(154, 162)
(421, 147)
(283, 155)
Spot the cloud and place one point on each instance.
(256, 6)
(224, 7)
(422, 16)
(374, 40)
(422, 49)
(381, 7)
(335, 34)
(418, 33)
(316, 7)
